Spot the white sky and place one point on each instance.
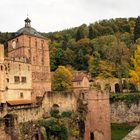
(55, 15)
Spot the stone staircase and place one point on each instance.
(134, 134)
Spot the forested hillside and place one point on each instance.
(103, 48)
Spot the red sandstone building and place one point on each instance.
(25, 74)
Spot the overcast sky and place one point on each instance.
(55, 15)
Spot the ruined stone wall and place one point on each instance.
(3, 135)
(98, 113)
(98, 117)
(121, 113)
(65, 100)
(24, 113)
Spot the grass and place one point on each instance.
(119, 131)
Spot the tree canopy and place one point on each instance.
(135, 72)
(62, 79)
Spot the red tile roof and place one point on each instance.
(20, 102)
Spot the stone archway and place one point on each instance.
(117, 88)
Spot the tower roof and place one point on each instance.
(28, 30)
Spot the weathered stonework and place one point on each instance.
(34, 49)
(98, 117)
(121, 113)
(134, 134)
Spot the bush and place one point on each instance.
(128, 98)
(55, 113)
(66, 114)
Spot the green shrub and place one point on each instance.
(128, 98)
(54, 128)
(55, 113)
(66, 114)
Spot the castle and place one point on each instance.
(25, 77)
(25, 74)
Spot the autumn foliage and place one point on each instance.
(135, 72)
(62, 79)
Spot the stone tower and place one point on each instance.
(28, 44)
(97, 126)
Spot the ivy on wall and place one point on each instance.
(128, 98)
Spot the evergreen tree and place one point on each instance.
(82, 32)
(92, 32)
(137, 29)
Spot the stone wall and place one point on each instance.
(121, 113)
(3, 135)
(65, 100)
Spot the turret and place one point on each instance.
(27, 22)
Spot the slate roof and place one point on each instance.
(28, 30)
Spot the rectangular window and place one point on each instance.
(23, 79)
(21, 95)
(16, 78)
(7, 79)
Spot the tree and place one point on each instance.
(81, 62)
(135, 72)
(62, 79)
(93, 33)
(93, 67)
(68, 57)
(137, 29)
(106, 69)
(82, 32)
(120, 56)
